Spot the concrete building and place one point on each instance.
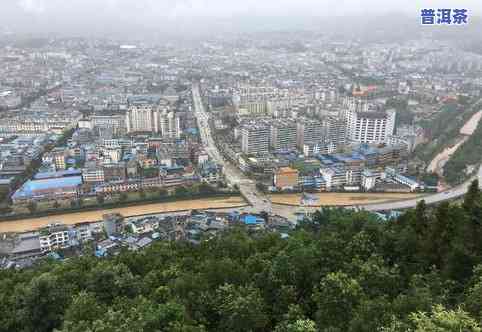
(109, 125)
(93, 174)
(255, 138)
(368, 179)
(370, 126)
(54, 237)
(335, 130)
(65, 187)
(283, 135)
(169, 124)
(392, 174)
(154, 119)
(58, 156)
(142, 118)
(309, 132)
(334, 177)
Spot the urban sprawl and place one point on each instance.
(103, 124)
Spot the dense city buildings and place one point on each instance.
(88, 126)
(240, 166)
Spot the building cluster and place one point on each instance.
(365, 168)
(274, 102)
(90, 166)
(347, 148)
(115, 233)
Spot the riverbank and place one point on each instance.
(341, 199)
(28, 224)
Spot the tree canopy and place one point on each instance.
(341, 271)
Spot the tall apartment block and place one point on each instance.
(255, 138)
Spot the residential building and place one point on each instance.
(255, 138)
(370, 126)
(283, 134)
(54, 237)
(309, 132)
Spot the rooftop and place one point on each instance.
(59, 174)
(31, 186)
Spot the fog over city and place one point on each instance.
(126, 17)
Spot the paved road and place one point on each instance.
(233, 175)
(259, 202)
(449, 194)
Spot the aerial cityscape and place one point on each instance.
(280, 176)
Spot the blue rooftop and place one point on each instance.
(31, 186)
(252, 220)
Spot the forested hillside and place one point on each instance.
(470, 153)
(344, 271)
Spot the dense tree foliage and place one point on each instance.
(341, 271)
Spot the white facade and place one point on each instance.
(368, 180)
(371, 126)
(150, 118)
(255, 139)
(54, 239)
(141, 118)
(169, 124)
(93, 175)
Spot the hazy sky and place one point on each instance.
(124, 15)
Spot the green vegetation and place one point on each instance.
(430, 179)
(149, 172)
(445, 127)
(470, 153)
(304, 167)
(342, 271)
(442, 130)
(404, 115)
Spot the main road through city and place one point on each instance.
(233, 175)
(259, 202)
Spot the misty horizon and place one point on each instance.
(202, 17)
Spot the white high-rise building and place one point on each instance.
(255, 138)
(154, 119)
(169, 124)
(142, 118)
(370, 126)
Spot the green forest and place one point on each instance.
(341, 271)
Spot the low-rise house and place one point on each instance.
(55, 237)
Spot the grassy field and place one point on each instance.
(342, 199)
(91, 216)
